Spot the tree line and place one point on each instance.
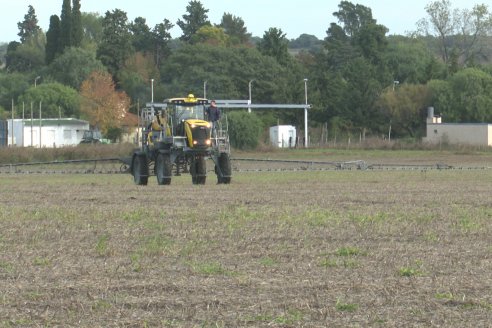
(360, 80)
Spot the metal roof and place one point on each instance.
(53, 121)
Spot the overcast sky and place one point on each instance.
(293, 17)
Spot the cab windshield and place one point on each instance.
(189, 111)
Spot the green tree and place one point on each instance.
(77, 32)
(65, 25)
(244, 129)
(274, 44)
(162, 37)
(353, 17)
(52, 39)
(306, 41)
(28, 28)
(228, 72)
(211, 35)
(92, 25)
(353, 69)
(135, 77)
(442, 99)
(27, 57)
(195, 18)
(142, 36)
(56, 100)
(116, 44)
(410, 61)
(74, 66)
(12, 85)
(472, 91)
(404, 108)
(234, 27)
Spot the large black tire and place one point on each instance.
(199, 171)
(163, 169)
(140, 170)
(225, 168)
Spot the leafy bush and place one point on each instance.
(244, 129)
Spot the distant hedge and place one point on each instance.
(244, 129)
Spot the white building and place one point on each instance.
(50, 132)
(474, 134)
(283, 136)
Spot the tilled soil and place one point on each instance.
(281, 249)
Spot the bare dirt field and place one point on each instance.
(356, 248)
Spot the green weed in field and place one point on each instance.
(136, 263)
(268, 261)
(155, 244)
(412, 270)
(210, 268)
(469, 219)
(348, 251)
(102, 246)
(292, 317)
(444, 296)
(367, 219)
(328, 263)
(431, 236)
(41, 261)
(345, 307)
(6, 266)
(100, 305)
(35, 296)
(134, 216)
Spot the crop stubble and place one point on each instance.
(310, 249)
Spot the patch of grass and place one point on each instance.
(319, 217)
(431, 236)
(41, 261)
(155, 244)
(35, 296)
(348, 251)
(345, 307)
(268, 261)
(134, 216)
(444, 296)
(101, 305)
(363, 219)
(234, 218)
(6, 266)
(350, 263)
(412, 270)
(468, 219)
(328, 263)
(102, 248)
(210, 269)
(292, 317)
(136, 263)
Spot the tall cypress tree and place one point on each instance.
(28, 28)
(77, 33)
(66, 25)
(53, 39)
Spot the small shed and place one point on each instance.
(283, 136)
(49, 132)
(475, 134)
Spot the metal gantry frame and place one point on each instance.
(246, 104)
